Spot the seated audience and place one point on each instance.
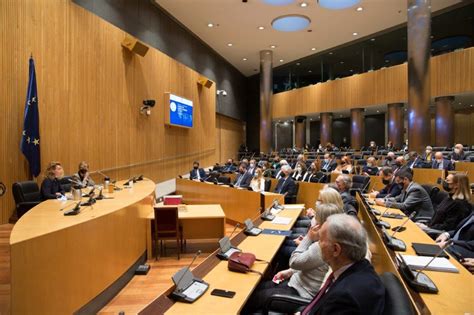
(458, 154)
(414, 161)
(440, 163)
(405, 146)
(299, 171)
(51, 187)
(82, 176)
(280, 171)
(267, 170)
(371, 167)
(197, 172)
(307, 269)
(252, 167)
(389, 159)
(258, 181)
(389, 146)
(345, 167)
(229, 167)
(399, 165)
(427, 157)
(243, 179)
(455, 207)
(301, 159)
(286, 184)
(462, 237)
(311, 174)
(372, 147)
(413, 198)
(392, 187)
(343, 186)
(329, 163)
(276, 162)
(353, 287)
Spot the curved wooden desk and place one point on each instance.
(60, 263)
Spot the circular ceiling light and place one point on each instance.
(291, 23)
(278, 2)
(337, 4)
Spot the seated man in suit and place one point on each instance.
(399, 165)
(229, 167)
(329, 163)
(196, 172)
(353, 287)
(343, 186)
(392, 187)
(244, 178)
(414, 161)
(279, 174)
(371, 167)
(286, 184)
(462, 237)
(252, 167)
(440, 163)
(413, 197)
(389, 159)
(458, 154)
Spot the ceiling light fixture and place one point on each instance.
(355, 33)
(244, 59)
(261, 28)
(229, 44)
(273, 46)
(298, 63)
(210, 25)
(303, 4)
(313, 49)
(372, 39)
(291, 23)
(342, 62)
(360, 9)
(281, 60)
(330, 53)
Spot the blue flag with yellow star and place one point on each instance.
(30, 140)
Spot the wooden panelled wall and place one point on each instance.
(230, 135)
(90, 91)
(451, 73)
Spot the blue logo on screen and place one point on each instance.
(181, 111)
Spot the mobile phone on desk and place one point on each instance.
(223, 293)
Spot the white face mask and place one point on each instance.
(326, 160)
(428, 151)
(457, 151)
(298, 169)
(252, 165)
(369, 164)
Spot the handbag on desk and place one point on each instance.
(242, 262)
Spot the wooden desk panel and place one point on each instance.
(269, 197)
(59, 263)
(427, 176)
(238, 204)
(455, 289)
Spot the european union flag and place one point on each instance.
(30, 140)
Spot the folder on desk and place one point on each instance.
(428, 250)
(277, 232)
(438, 264)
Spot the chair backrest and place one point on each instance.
(224, 179)
(397, 301)
(166, 221)
(431, 190)
(65, 183)
(360, 182)
(268, 183)
(26, 191)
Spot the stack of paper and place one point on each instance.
(438, 264)
(281, 220)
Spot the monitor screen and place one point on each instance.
(179, 111)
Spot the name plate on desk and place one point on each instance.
(276, 232)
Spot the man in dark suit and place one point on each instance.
(229, 167)
(343, 186)
(462, 237)
(392, 187)
(286, 184)
(196, 172)
(413, 197)
(243, 179)
(440, 163)
(252, 167)
(353, 287)
(414, 161)
(428, 157)
(329, 163)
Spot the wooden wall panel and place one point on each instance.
(90, 91)
(450, 74)
(464, 126)
(230, 135)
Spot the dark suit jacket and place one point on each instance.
(458, 157)
(392, 189)
(245, 182)
(49, 188)
(417, 163)
(286, 185)
(450, 213)
(357, 291)
(193, 173)
(351, 205)
(447, 165)
(415, 198)
(229, 168)
(371, 170)
(329, 167)
(465, 242)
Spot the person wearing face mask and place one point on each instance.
(329, 163)
(196, 172)
(51, 187)
(372, 147)
(371, 167)
(454, 208)
(413, 198)
(389, 159)
(345, 167)
(279, 174)
(276, 162)
(311, 174)
(399, 165)
(252, 167)
(440, 163)
(286, 184)
(299, 172)
(458, 154)
(343, 185)
(82, 176)
(229, 167)
(427, 157)
(392, 187)
(258, 181)
(243, 178)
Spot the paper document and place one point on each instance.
(438, 264)
(293, 206)
(275, 211)
(281, 220)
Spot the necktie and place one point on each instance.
(198, 175)
(322, 291)
(239, 180)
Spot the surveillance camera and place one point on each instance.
(224, 93)
(149, 103)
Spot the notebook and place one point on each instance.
(428, 250)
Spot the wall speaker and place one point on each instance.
(135, 46)
(205, 82)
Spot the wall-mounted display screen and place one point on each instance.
(178, 111)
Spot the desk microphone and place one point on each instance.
(395, 243)
(399, 228)
(383, 223)
(91, 200)
(235, 228)
(187, 269)
(365, 186)
(448, 244)
(130, 180)
(74, 210)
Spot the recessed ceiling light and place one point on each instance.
(310, 71)
(298, 63)
(351, 70)
(342, 62)
(261, 27)
(303, 4)
(340, 116)
(229, 44)
(313, 49)
(378, 111)
(472, 105)
(355, 33)
(337, 5)
(210, 25)
(273, 46)
(372, 39)
(330, 53)
(387, 60)
(244, 59)
(359, 9)
(459, 103)
(281, 60)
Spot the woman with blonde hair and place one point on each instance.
(51, 187)
(258, 181)
(345, 166)
(454, 208)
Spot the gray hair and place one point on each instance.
(349, 234)
(347, 180)
(286, 168)
(283, 162)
